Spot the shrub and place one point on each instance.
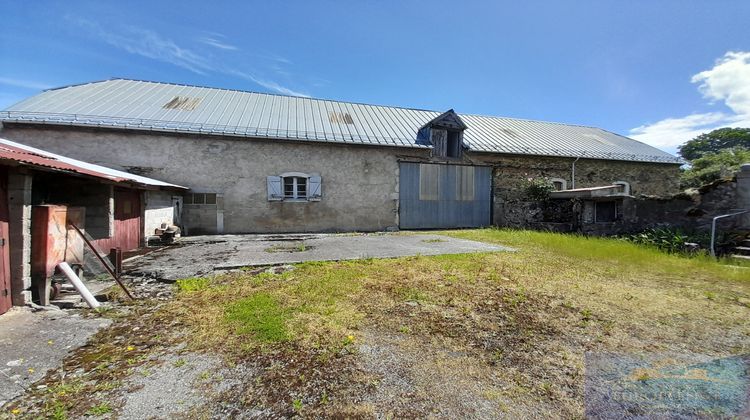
(667, 239)
(537, 189)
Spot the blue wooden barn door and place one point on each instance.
(437, 196)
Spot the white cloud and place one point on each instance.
(25, 84)
(217, 43)
(150, 44)
(268, 84)
(727, 82)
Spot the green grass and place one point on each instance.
(192, 284)
(527, 317)
(622, 254)
(100, 409)
(259, 315)
(637, 292)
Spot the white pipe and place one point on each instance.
(78, 284)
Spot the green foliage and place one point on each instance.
(192, 284)
(666, 239)
(715, 142)
(713, 166)
(260, 315)
(100, 409)
(590, 253)
(537, 189)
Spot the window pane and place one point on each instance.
(199, 198)
(210, 198)
(301, 187)
(289, 186)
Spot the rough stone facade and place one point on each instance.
(359, 183)
(512, 208)
(690, 212)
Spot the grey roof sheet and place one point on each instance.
(133, 104)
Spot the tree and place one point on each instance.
(715, 142)
(713, 166)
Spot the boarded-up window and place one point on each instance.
(465, 183)
(429, 182)
(606, 211)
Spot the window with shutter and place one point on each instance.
(294, 186)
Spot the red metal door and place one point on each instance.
(5, 297)
(127, 220)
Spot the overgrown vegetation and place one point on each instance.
(523, 319)
(537, 189)
(441, 336)
(668, 240)
(715, 155)
(676, 241)
(714, 166)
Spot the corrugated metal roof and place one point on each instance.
(21, 153)
(133, 104)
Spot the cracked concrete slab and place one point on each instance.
(203, 255)
(31, 343)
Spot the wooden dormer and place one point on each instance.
(446, 135)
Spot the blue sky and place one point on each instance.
(659, 71)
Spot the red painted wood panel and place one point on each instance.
(5, 296)
(127, 229)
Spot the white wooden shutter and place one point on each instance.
(274, 188)
(314, 188)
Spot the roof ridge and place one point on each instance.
(324, 100)
(247, 91)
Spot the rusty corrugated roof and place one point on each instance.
(164, 107)
(22, 154)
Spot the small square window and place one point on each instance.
(210, 198)
(605, 211)
(295, 187)
(199, 198)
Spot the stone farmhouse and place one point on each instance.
(256, 162)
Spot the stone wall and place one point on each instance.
(359, 183)
(691, 212)
(511, 172)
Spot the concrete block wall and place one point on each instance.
(19, 209)
(158, 209)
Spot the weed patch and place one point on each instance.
(260, 315)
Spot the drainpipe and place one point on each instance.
(573, 174)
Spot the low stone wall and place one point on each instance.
(511, 173)
(691, 212)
